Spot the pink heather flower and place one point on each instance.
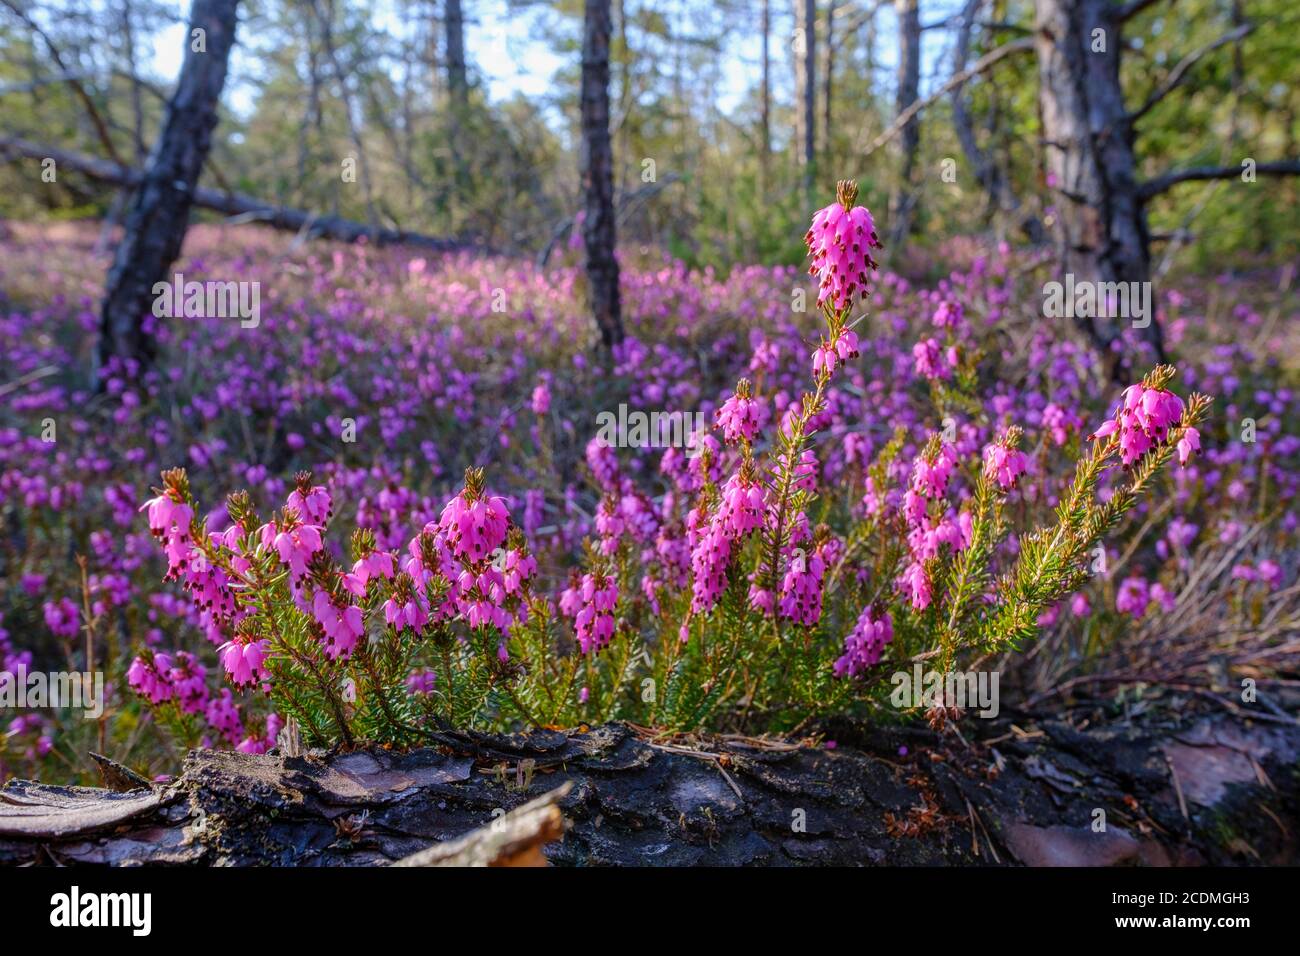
(1143, 419)
(476, 528)
(243, 660)
(1270, 572)
(741, 417)
(1243, 571)
(603, 463)
(1164, 597)
(915, 583)
(1189, 443)
(929, 358)
(342, 627)
(167, 517)
(62, 617)
(1003, 465)
(930, 478)
(840, 243)
(376, 564)
(151, 679)
(824, 359)
(1133, 597)
(801, 588)
(865, 644)
(947, 315)
(1079, 605)
(1181, 533)
(846, 346)
(295, 546)
(405, 616)
(314, 507)
(541, 399)
(742, 508)
(421, 681)
(594, 622)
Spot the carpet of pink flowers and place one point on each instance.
(386, 374)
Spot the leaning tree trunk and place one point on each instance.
(457, 84)
(160, 209)
(598, 174)
(903, 200)
(1101, 227)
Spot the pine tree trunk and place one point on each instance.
(903, 201)
(765, 109)
(160, 208)
(1100, 227)
(598, 227)
(808, 90)
(457, 83)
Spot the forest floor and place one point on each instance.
(1159, 789)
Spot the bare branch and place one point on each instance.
(983, 64)
(1179, 72)
(243, 208)
(1133, 8)
(73, 80)
(1154, 187)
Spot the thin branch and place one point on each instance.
(96, 118)
(1133, 8)
(1154, 187)
(983, 64)
(1179, 72)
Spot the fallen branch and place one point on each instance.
(243, 208)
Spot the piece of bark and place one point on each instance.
(516, 839)
(1011, 790)
(115, 776)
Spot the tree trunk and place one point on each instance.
(598, 174)
(1002, 204)
(829, 84)
(457, 83)
(806, 67)
(765, 107)
(1209, 789)
(903, 201)
(1100, 227)
(160, 209)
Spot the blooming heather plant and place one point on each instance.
(762, 587)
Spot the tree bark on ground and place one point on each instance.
(597, 167)
(160, 209)
(1201, 789)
